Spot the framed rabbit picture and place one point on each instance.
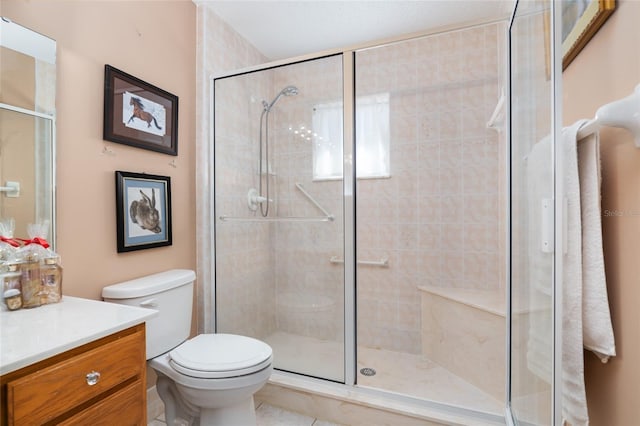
(143, 211)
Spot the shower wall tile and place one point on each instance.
(407, 209)
(451, 209)
(430, 206)
(450, 124)
(477, 237)
(450, 179)
(439, 217)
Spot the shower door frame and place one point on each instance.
(348, 197)
(555, 69)
(349, 216)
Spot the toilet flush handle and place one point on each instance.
(151, 303)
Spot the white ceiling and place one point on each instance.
(284, 29)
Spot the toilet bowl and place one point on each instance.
(209, 379)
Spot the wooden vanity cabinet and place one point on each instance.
(100, 383)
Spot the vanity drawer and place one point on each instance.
(124, 407)
(46, 394)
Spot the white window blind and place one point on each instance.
(372, 138)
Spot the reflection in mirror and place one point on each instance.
(27, 127)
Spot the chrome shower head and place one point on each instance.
(287, 91)
(290, 91)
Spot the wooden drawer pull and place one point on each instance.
(93, 378)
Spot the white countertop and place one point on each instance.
(31, 335)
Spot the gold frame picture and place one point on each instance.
(581, 19)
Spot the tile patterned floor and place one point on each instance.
(401, 373)
(268, 415)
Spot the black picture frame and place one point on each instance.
(139, 114)
(143, 211)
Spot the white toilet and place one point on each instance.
(207, 380)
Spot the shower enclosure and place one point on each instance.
(362, 203)
(428, 176)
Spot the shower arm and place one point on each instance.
(314, 202)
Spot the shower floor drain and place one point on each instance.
(367, 371)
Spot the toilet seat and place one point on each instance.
(217, 356)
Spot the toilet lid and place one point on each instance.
(220, 355)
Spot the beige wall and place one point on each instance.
(155, 41)
(606, 70)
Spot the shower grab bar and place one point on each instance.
(313, 200)
(383, 263)
(276, 219)
(497, 118)
(326, 218)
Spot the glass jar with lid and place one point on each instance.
(10, 286)
(13, 299)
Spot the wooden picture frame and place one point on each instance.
(581, 19)
(143, 211)
(139, 114)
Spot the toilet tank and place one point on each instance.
(171, 294)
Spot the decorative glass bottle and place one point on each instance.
(51, 276)
(31, 283)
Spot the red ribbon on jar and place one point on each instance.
(36, 240)
(10, 241)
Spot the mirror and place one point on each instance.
(27, 128)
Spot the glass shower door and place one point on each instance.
(430, 292)
(279, 212)
(532, 349)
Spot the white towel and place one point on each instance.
(597, 330)
(574, 400)
(586, 318)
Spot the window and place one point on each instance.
(372, 138)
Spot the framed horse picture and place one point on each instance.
(139, 114)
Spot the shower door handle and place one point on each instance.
(383, 263)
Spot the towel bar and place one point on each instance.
(624, 113)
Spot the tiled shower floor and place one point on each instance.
(396, 372)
